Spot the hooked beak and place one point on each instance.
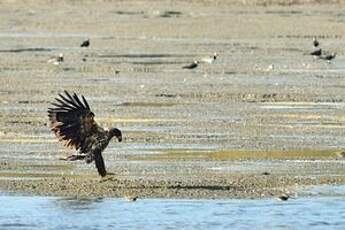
(119, 138)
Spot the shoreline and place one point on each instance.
(191, 183)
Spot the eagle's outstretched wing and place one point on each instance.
(72, 121)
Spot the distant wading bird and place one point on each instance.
(85, 43)
(191, 66)
(316, 53)
(329, 57)
(72, 122)
(57, 60)
(210, 59)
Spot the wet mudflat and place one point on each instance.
(265, 118)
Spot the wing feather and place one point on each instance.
(69, 99)
(62, 103)
(85, 102)
(78, 101)
(72, 121)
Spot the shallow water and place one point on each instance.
(19, 212)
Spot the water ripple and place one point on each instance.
(107, 213)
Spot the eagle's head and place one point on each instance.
(117, 133)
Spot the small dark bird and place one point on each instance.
(191, 66)
(315, 42)
(283, 197)
(72, 121)
(316, 53)
(329, 57)
(85, 43)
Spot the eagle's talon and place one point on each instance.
(73, 158)
(108, 178)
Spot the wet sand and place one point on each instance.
(265, 118)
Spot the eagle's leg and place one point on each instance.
(74, 157)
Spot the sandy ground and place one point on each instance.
(265, 118)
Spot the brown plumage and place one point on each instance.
(72, 121)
